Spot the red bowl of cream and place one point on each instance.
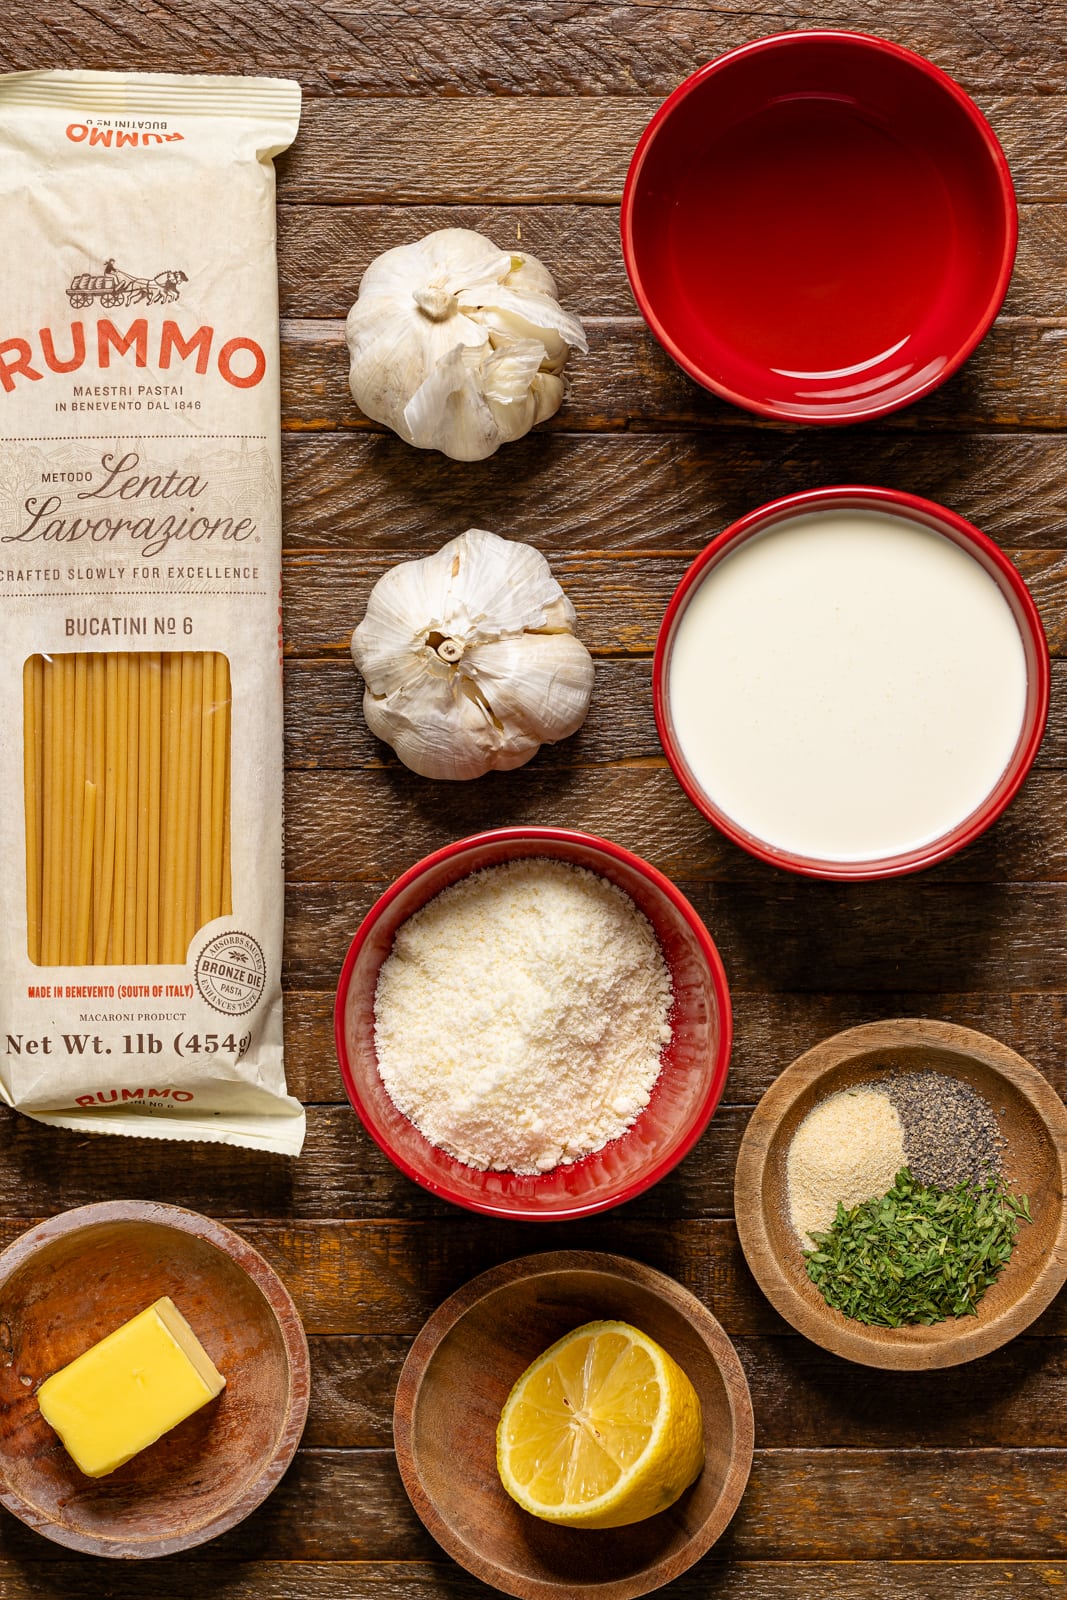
(819, 226)
(694, 1063)
(851, 682)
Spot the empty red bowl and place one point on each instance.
(809, 677)
(685, 1095)
(819, 226)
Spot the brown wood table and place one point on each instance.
(519, 119)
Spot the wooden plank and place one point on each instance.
(555, 149)
(347, 825)
(770, 1030)
(325, 729)
(620, 598)
(908, 1504)
(799, 1505)
(311, 1068)
(382, 1278)
(1017, 378)
(821, 937)
(483, 150)
(343, 1175)
(547, 47)
(385, 1277)
(360, 1512)
(918, 936)
(31, 1578)
(643, 492)
(324, 250)
(353, 1383)
(804, 1399)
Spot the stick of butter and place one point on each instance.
(127, 1391)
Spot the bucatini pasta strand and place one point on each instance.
(65, 667)
(226, 906)
(186, 746)
(126, 781)
(78, 757)
(193, 665)
(172, 726)
(56, 814)
(155, 751)
(82, 927)
(144, 712)
(98, 702)
(33, 784)
(122, 838)
(102, 902)
(49, 865)
(128, 953)
(207, 788)
(220, 783)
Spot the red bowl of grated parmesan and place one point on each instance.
(531, 931)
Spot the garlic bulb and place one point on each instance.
(469, 658)
(459, 346)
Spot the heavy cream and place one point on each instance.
(848, 685)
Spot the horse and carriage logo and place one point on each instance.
(113, 287)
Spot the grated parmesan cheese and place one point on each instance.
(849, 1148)
(520, 1016)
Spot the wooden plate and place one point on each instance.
(458, 1374)
(1034, 1122)
(73, 1279)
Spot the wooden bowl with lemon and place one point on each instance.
(564, 1368)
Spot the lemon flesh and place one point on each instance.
(602, 1430)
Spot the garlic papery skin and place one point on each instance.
(458, 346)
(470, 659)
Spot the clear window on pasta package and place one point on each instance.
(126, 762)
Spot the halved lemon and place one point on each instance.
(603, 1429)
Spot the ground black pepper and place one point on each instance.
(951, 1134)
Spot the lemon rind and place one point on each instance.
(589, 1511)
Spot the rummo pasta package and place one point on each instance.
(140, 653)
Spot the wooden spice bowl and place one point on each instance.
(460, 1371)
(1033, 1121)
(67, 1283)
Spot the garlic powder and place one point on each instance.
(849, 1148)
(520, 1016)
